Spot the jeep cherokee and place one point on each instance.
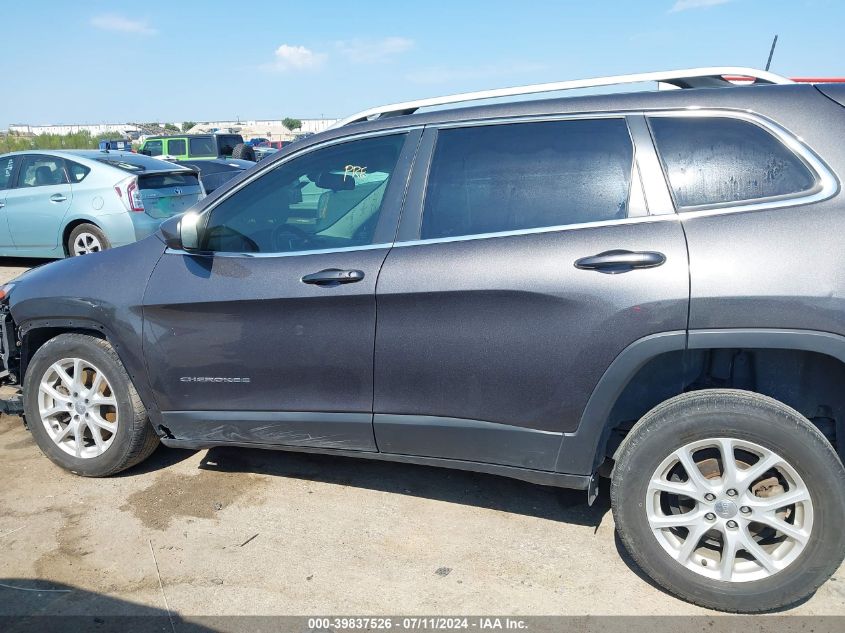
(645, 286)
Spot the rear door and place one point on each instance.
(37, 205)
(528, 259)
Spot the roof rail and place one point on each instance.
(689, 78)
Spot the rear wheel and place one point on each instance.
(82, 407)
(730, 500)
(85, 239)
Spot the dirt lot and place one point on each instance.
(231, 531)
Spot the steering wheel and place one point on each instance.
(291, 230)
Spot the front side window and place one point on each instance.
(176, 147)
(7, 168)
(721, 160)
(328, 198)
(153, 148)
(494, 178)
(41, 171)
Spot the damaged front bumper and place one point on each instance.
(10, 400)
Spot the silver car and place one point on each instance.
(64, 203)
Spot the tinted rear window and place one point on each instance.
(203, 146)
(164, 181)
(134, 163)
(227, 143)
(488, 179)
(718, 160)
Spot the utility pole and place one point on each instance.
(772, 52)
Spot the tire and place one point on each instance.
(808, 468)
(133, 438)
(85, 239)
(244, 152)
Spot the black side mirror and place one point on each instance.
(181, 232)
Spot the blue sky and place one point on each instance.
(116, 61)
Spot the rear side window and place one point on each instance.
(203, 146)
(76, 171)
(153, 148)
(176, 147)
(41, 171)
(719, 160)
(488, 179)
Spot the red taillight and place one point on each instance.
(128, 192)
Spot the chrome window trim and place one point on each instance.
(826, 182)
(543, 229)
(322, 251)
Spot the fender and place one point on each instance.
(581, 451)
(102, 293)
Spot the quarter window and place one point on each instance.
(328, 198)
(720, 160)
(176, 147)
(494, 178)
(76, 171)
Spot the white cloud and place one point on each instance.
(685, 5)
(114, 22)
(365, 51)
(296, 58)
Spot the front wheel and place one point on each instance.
(730, 500)
(82, 407)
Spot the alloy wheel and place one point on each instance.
(729, 509)
(78, 407)
(86, 243)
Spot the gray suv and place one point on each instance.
(646, 287)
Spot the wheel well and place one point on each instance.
(35, 339)
(809, 382)
(69, 229)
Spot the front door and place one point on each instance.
(527, 263)
(266, 336)
(36, 207)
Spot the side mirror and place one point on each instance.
(182, 232)
(189, 231)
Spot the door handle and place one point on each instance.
(2, 204)
(57, 197)
(620, 261)
(333, 277)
